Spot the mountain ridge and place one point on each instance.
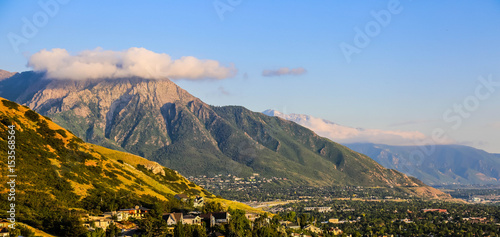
(6, 74)
(162, 122)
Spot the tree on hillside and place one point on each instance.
(179, 230)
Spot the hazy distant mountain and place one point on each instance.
(5, 74)
(448, 164)
(162, 122)
(344, 134)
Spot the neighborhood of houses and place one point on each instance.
(232, 182)
(192, 218)
(121, 217)
(485, 199)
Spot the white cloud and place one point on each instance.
(284, 71)
(133, 62)
(344, 134)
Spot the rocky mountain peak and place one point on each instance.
(107, 91)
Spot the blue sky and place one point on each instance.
(427, 58)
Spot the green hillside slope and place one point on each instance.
(60, 177)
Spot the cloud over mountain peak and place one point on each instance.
(134, 62)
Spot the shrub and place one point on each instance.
(32, 115)
(11, 105)
(62, 132)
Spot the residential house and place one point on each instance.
(251, 216)
(4, 228)
(221, 217)
(216, 234)
(4, 224)
(101, 221)
(173, 218)
(406, 220)
(191, 220)
(122, 216)
(318, 209)
(198, 202)
(435, 210)
(293, 226)
(209, 219)
(313, 229)
(335, 231)
(137, 212)
(285, 223)
(348, 209)
(476, 199)
(299, 235)
(170, 219)
(182, 197)
(333, 220)
(476, 219)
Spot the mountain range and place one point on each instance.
(445, 165)
(160, 121)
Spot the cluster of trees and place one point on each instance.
(111, 231)
(21, 230)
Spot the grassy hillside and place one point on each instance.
(59, 176)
